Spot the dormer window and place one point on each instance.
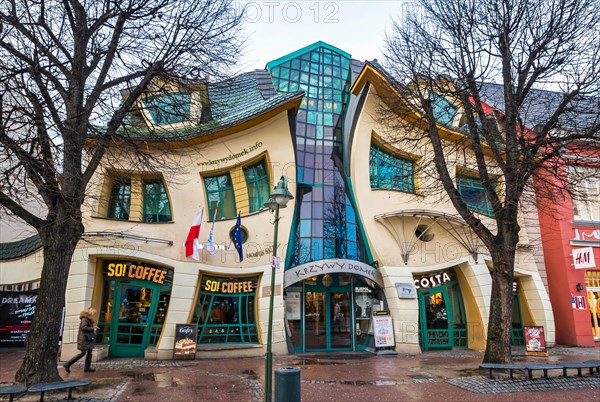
(443, 110)
(169, 108)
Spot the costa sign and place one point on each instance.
(432, 280)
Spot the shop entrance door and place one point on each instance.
(435, 319)
(130, 330)
(328, 321)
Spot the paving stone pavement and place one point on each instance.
(485, 385)
(448, 375)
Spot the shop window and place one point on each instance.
(257, 181)
(391, 172)
(135, 300)
(443, 110)
(120, 199)
(586, 198)
(225, 310)
(473, 194)
(220, 195)
(157, 207)
(592, 285)
(169, 108)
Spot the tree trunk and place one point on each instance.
(498, 348)
(41, 346)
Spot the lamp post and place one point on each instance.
(278, 199)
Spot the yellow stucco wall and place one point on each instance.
(389, 236)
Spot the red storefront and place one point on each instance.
(570, 228)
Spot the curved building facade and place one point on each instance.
(373, 259)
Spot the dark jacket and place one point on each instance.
(86, 326)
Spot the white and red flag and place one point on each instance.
(192, 244)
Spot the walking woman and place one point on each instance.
(86, 339)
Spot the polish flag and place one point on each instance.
(192, 245)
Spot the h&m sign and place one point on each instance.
(583, 258)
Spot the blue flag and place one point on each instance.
(236, 237)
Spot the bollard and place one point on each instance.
(287, 384)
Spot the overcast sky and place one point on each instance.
(277, 28)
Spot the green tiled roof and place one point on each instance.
(231, 102)
(16, 249)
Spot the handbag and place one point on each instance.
(90, 337)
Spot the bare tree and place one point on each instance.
(64, 66)
(471, 75)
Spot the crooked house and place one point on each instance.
(362, 236)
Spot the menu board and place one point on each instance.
(293, 306)
(186, 336)
(383, 329)
(16, 313)
(535, 342)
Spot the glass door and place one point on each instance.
(435, 319)
(340, 320)
(131, 325)
(315, 321)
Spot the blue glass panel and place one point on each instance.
(318, 135)
(317, 228)
(329, 248)
(317, 249)
(351, 231)
(352, 250)
(308, 175)
(305, 228)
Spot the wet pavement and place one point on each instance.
(346, 376)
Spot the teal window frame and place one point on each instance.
(391, 172)
(258, 185)
(157, 207)
(220, 196)
(443, 110)
(473, 194)
(240, 324)
(119, 202)
(169, 108)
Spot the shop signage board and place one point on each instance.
(583, 258)
(16, 313)
(186, 336)
(535, 341)
(433, 280)
(332, 266)
(383, 329)
(406, 290)
(133, 270)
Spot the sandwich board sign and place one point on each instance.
(186, 336)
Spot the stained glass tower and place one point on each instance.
(326, 224)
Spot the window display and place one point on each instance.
(225, 310)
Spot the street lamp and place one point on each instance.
(278, 199)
